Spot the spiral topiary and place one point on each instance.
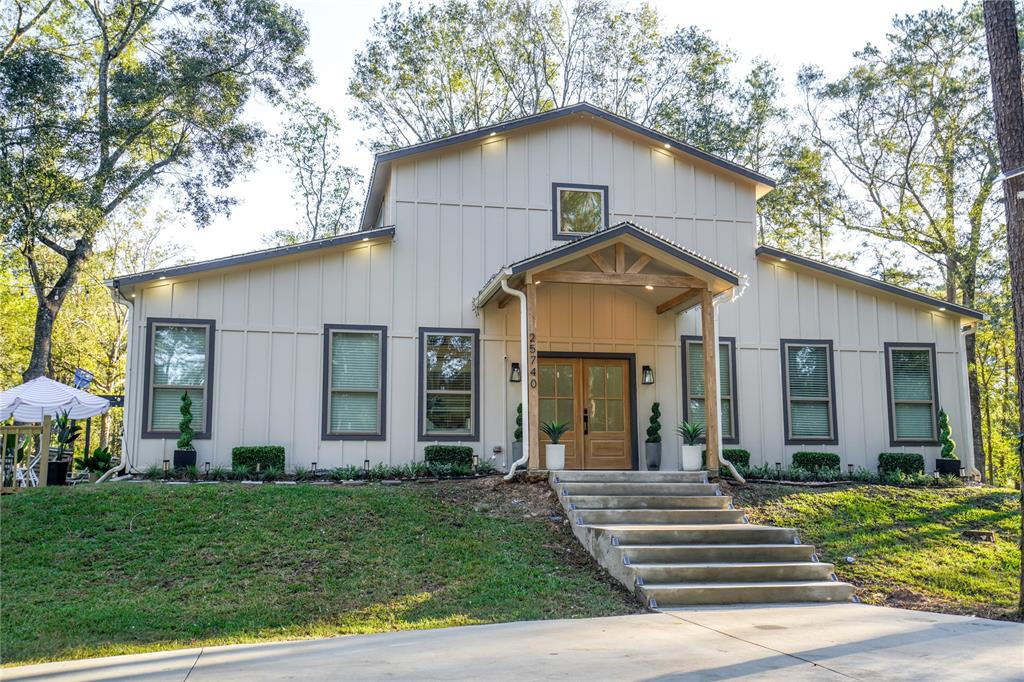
(185, 425)
(947, 443)
(518, 436)
(654, 430)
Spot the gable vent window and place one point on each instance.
(579, 210)
(912, 393)
(355, 364)
(809, 390)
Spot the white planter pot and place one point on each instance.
(689, 457)
(554, 456)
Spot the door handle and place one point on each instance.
(586, 421)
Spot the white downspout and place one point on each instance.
(524, 346)
(968, 440)
(123, 466)
(721, 452)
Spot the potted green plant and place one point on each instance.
(517, 437)
(185, 455)
(67, 432)
(948, 464)
(689, 450)
(97, 464)
(652, 448)
(554, 452)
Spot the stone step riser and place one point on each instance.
(649, 501)
(678, 489)
(666, 596)
(676, 573)
(655, 516)
(629, 477)
(733, 535)
(684, 554)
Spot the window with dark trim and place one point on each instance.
(179, 360)
(449, 383)
(693, 383)
(355, 381)
(578, 210)
(808, 392)
(911, 383)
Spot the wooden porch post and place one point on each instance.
(712, 404)
(532, 376)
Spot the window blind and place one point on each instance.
(912, 394)
(355, 382)
(179, 366)
(695, 384)
(448, 407)
(807, 374)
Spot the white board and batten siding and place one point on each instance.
(463, 212)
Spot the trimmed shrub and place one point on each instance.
(738, 456)
(449, 454)
(945, 437)
(909, 463)
(815, 461)
(267, 456)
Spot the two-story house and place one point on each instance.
(572, 261)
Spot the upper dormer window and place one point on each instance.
(579, 209)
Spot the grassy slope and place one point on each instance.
(226, 563)
(907, 543)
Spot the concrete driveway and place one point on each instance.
(792, 642)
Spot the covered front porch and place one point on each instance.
(597, 317)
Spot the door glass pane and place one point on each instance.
(616, 419)
(546, 384)
(565, 406)
(810, 420)
(595, 382)
(547, 410)
(564, 380)
(598, 421)
(614, 381)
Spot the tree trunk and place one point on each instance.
(1008, 106)
(46, 315)
(974, 394)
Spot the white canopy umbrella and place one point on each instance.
(33, 400)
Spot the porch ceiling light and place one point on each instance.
(648, 287)
(516, 375)
(782, 260)
(647, 375)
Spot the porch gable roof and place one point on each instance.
(576, 246)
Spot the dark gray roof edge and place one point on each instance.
(615, 231)
(868, 281)
(253, 256)
(581, 108)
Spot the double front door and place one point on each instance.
(592, 395)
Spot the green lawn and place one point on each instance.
(124, 568)
(906, 542)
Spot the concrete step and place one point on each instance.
(698, 534)
(629, 476)
(683, 594)
(659, 516)
(636, 488)
(649, 501)
(695, 554)
(750, 572)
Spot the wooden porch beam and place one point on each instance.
(620, 257)
(639, 265)
(600, 262)
(621, 279)
(675, 301)
(712, 404)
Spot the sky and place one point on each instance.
(789, 33)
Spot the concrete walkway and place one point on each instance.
(791, 642)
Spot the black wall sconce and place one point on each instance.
(646, 375)
(516, 375)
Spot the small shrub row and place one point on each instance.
(455, 455)
(264, 456)
(815, 461)
(859, 475)
(244, 472)
(739, 457)
(909, 463)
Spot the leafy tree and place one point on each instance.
(325, 190)
(104, 101)
(911, 128)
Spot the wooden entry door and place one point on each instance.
(592, 394)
